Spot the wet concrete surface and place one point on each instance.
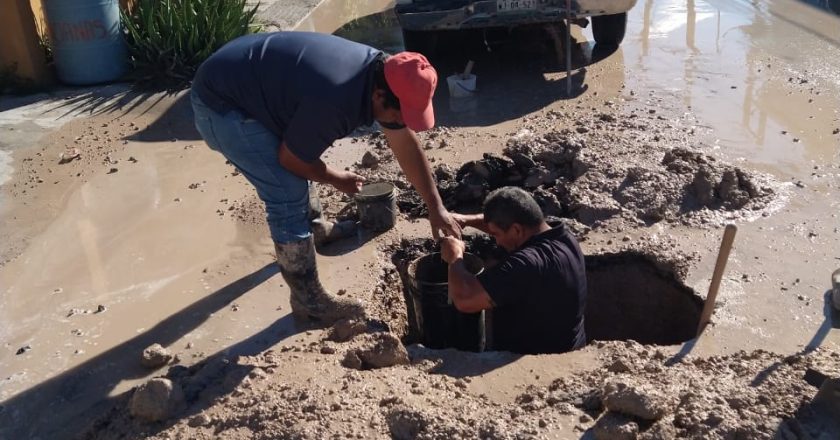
(762, 78)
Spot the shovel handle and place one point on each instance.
(720, 265)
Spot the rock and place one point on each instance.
(606, 117)
(370, 160)
(593, 207)
(23, 349)
(405, 423)
(100, 308)
(200, 420)
(444, 172)
(536, 177)
(352, 360)
(155, 356)
(156, 400)
(661, 430)
(346, 329)
(548, 203)
(619, 366)
(612, 426)
(643, 402)
(522, 161)
(378, 350)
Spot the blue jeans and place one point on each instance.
(250, 147)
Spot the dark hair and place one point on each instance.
(379, 82)
(509, 205)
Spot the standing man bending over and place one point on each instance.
(272, 103)
(538, 293)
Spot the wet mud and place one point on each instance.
(710, 112)
(571, 178)
(641, 391)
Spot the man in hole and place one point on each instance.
(272, 103)
(538, 293)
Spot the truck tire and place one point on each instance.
(608, 30)
(424, 42)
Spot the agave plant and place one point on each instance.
(169, 39)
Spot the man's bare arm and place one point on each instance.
(471, 220)
(412, 160)
(466, 291)
(318, 171)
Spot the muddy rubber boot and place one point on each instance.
(315, 208)
(325, 231)
(309, 300)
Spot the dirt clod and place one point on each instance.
(636, 401)
(370, 160)
(155, 356)
(156, 400)
(378, 350)
(346, 329)
(612, 426)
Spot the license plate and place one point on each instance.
(515, 5)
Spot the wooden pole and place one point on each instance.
(720, 265)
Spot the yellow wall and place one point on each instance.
(19, 41)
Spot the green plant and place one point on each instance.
(169, 39)
(44, 38)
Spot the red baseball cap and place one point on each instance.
(413, 79)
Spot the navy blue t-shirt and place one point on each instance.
(309, 89)
(539, 293)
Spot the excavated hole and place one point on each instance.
(629, 295)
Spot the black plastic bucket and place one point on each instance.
(377, 204)
(439, 323)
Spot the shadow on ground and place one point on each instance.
(64, 405)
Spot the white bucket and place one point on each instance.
(461, 86)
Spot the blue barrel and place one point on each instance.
(87, 41)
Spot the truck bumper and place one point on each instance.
(429, 15)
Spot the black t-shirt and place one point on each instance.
(309, 89)
(539, 292)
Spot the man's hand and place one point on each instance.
(347, 182)
(443, 223)
(452, 249)
(406, 148)
(461, 219)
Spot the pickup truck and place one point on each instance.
(420, 19)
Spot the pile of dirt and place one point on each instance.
(569, 178)
(642, 393)
(639, 393)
